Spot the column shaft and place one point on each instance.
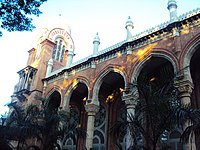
(185, 88)
(91, 109)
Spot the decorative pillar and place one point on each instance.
(172, 7)
(49, 67)
(44, 88)
(91, 110)
(130, 97)
(70, 56)
(185, 88)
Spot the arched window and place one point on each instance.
(59, 49)
(54, 50)
(69, 144)
(99, 132)
(98, 140)
(62, 54)
(174, 140)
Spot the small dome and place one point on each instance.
(47, 26)
(171, 3)
(57, 22)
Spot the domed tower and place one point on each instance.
(58, 34)
(53, 50)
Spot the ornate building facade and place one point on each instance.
(86, 87)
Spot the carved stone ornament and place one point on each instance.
(131, 95)
(185, 87)
(91, 109)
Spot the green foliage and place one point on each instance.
(49, 125)
(15, 15)
(191, 117)
(23, 124)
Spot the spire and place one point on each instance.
(96, 43)
(129, 26)
(172, 7)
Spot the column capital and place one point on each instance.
(184, 86)
(91, 109)
(130, 95)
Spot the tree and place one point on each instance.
(190, 116)
(49, 125)
(15, 14)
(22, 125)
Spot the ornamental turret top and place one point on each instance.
(171, 4)
(96, 38)
(172, 7)
(96, 43)
(129, 23)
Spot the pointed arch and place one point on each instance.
(141, 64)
(68, 93)
(99, 81)
(54, 100)
(189, 50)
(55, 88)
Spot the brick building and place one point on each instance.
(84, 86)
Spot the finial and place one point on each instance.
(129, 23)
(96, 38)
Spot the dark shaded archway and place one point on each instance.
(78, 117)
(154, 68)
(155, 85)
(195, 74)
(54, 101)
(111, 109)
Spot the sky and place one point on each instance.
(86, 18)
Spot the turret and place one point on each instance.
(96, 43)
(70, 56)
(49, 67)
(129, 27)
(172, 7)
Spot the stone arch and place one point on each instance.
(69, 92)
(186, 56)
(99, 81)
(192, 72)
(174, 139)
(56, 88)
(74, 102)
(54, 99)
(62, 33)
(107, 93)
(152, 75)
(140, 65)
